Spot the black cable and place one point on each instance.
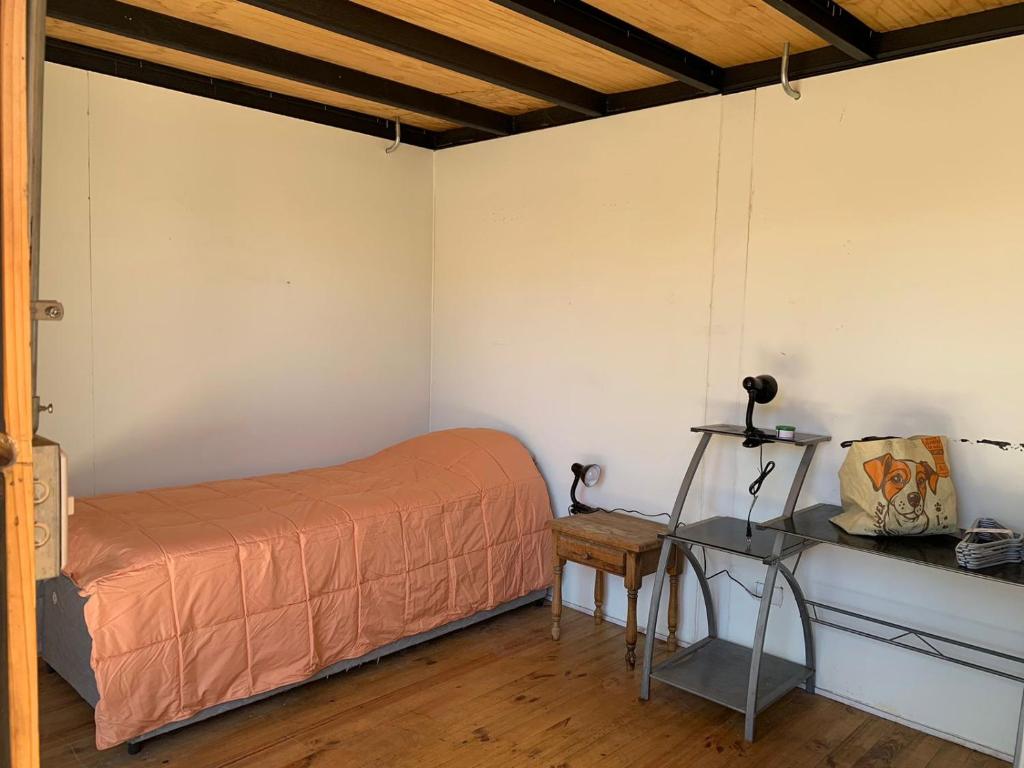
(755, 487)
(586, 509)
(736, 581)
(704, 558)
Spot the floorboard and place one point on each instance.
(502, 693)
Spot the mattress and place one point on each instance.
(217, 592)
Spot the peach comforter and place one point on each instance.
(214, 592)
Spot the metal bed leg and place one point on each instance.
(666, 551)
(134, 747)
(761, 630)
(805, 620)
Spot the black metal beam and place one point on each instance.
(361, 23)
(833, 24)
(960, 30)
(926, 38)
(978, 27)
(611, 33)
(935, 36)
(168, 32)
(116, 65)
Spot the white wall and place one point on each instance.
(244, 292)
(601, 287)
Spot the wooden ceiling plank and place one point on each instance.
(726, 32)
(982, 26)
(169, 32)
(978, 27)
(890, 15)
(136, 51)
(831, 23)
(376, 28)
(489, 26)
(105, 62)
(611, 33)
(239, 18)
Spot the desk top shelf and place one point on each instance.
(736, 430)
(729, 534)
(814, 524)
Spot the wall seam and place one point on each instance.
(733, 560)
(92, 298)
(696, 610)
(433, 291)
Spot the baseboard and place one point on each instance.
(589, 610)
(840, 698)
(913, 724)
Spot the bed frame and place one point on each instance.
(67, 647)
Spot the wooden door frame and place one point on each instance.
(15, 293)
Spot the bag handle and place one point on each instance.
(870, 439)
(1007, 531)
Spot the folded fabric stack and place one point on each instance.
(988, 543)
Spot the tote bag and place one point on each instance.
(897, 487)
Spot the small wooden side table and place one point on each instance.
(611, 542)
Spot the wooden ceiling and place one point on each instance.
(456, 71)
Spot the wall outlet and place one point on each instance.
(759, 591)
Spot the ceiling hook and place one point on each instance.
(398, 138)
(792, 92)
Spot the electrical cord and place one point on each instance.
(744, 587)
(755, 487)
(585, 509)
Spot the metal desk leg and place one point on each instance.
(759, 634)
(1018, 758)
(805, 620)
(666, 552)
(705, 588)
(652, 619)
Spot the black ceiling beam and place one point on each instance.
(361, 23)
(977, 27)
(934, 36)
(960, 30)
(833, 24)
(613, 34)
(169, 32)
(116, 65)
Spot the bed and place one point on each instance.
(177, 604)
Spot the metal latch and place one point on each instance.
(47, 309)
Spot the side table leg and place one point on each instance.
(631, 628)
(598, 596)
(556, 600)
(632, 589)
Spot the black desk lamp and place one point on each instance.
(760, 389)
(589, 474)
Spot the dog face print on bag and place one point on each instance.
(907, 487)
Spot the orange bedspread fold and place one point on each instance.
(209, 593)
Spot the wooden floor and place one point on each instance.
(504, 694)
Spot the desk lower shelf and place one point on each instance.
(719, 671)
